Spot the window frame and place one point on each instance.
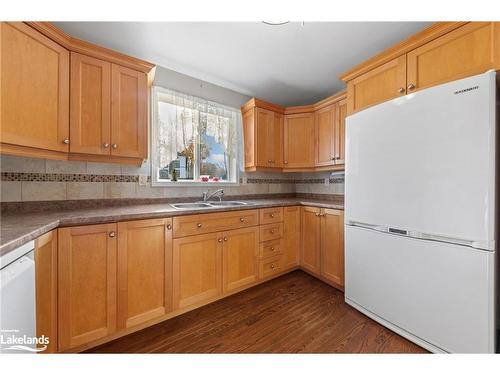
(156, 182)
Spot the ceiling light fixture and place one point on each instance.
(275, 23)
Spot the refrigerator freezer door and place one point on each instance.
(426, 162)
(440, 293)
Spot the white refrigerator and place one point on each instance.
(420, 215)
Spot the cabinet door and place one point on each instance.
(87, 284)
(378, 85)
(249, 138)
(35, 89)
(46, 288)
(299, 141)
(325, 131)
(463, 52)
(340, 132)
(332, 246)
(265, 123)
(128, 112)
(311, 239)
(240, 258)
(197, 269)
(90, 118)
(276, 136)
(144, 271)
(291, 236)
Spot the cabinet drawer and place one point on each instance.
(270, 248)
(271, 215)
(271, 232)
(219, 221)
(270, 266)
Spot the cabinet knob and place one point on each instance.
(272, 215)
(269, 161)
(401, 90)
(66, 141)
(114, 145)
(112, 234)
(105, 145)
(219, 239)
(198, 225)
(169, 226)
(272, 266)
(242, 220)
(411, 86)
(272, 248)
(272, 231)
(317, 214)
(285, 162)
(333, 157)
(225, 239)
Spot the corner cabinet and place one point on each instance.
(95, 111)
(34, 100)
(444, 52)
(298, 143)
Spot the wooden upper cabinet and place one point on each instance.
(197, 269)
(90, 105)
(311, 239)
(291, 236)
(332, 246)
(378, 85)
(299, 141)
(240, 258)
(34, 90)
(324, 120)
(46, 288)
(264, 124)
(128, 112)
(276, 135)
(341, 115)
(471, 49)
(144, 271)
(87, 284)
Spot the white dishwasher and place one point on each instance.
(17, 300)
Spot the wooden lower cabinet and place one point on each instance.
(332, 246)
(291, 236)
(311, 239)
(197, 269)
(240, 258)
(87, 284)
(46, 288)
(144, 269)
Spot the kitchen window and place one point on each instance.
(194, 141)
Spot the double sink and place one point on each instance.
(201, 205)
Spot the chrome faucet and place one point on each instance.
(219, 193)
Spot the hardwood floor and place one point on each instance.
(294, 313)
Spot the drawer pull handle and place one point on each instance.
(112, 234)
(198, 225)
(169, 226)
(242, 220)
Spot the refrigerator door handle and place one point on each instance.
(482, 245)
(379, 228)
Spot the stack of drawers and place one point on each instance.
(271, 241)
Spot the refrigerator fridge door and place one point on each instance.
(439, 295)
(426, 162)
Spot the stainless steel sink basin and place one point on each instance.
(185, 206)
(229, 203)
(205, 205)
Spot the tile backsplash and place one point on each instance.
(29, 179)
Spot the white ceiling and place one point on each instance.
(288, 65)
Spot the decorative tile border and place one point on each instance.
(68, 177)
(285, 181)
(337, 180)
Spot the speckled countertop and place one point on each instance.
(17, 229)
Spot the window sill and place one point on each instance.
(192, 184)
